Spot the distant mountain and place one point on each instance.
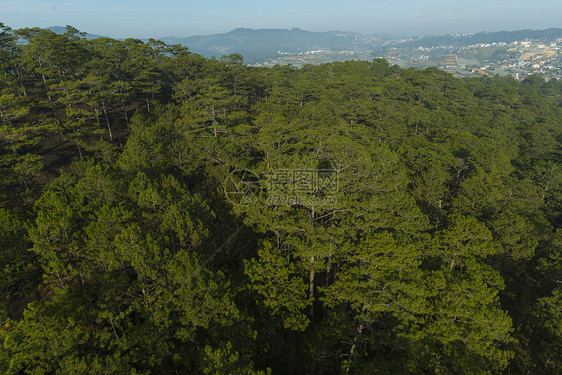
(62, 30)
(262, 44)
(272, 40)
(461, 40)
(258, 45)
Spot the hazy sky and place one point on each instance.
(142, 18)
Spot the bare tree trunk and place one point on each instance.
(355, 339)
(107, 121)
(3, 118)
(50, 99)
(311, 277)
(124, 109)
(20, 80)
(79, 150)
(327, 280)
(311, 287)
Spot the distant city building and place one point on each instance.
(450, 60)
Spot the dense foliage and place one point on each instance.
(121, 252)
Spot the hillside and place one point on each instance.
(261, 45)
(257, 45)
(481, 38)
(164, 213)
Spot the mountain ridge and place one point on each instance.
(482, 37)
(259, 44)
(274, 40)
(62, 30)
